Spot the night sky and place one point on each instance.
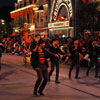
(5, 7)
(7, 3)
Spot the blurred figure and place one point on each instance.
(55, 59)
(1, 49)
(75, 51)
(93, 54)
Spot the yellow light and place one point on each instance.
(35, 8)
(19, 0)
(39, 11)
(32, 27)
(2, 21)
(46, 5)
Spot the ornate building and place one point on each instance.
(34, 12)
(42, 12)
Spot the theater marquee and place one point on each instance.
(58, 24)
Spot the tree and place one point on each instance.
(88, 17)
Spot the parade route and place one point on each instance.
(17, 83)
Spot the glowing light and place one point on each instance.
(19, 0)
(98, 58)
(32, 27)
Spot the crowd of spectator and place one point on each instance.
(16, 45)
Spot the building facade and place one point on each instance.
(45, 13)
(61, 13)
(29, 9)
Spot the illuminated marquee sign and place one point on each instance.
(58, 24)
(57, 4)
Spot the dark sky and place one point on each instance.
(7, 3)
(5, 7)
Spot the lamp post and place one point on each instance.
(3, 27)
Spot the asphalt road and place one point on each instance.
(17, 83)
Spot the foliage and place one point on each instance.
(88, 17)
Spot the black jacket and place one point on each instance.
(94, 52)
(55, 51)
(75, 53)
(35, 59)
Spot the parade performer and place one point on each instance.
(93, 54)
(76, 52)
(40, 65)
(55, 59)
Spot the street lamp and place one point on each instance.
(3, 27)
(2, 22)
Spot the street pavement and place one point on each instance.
(17, 82)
